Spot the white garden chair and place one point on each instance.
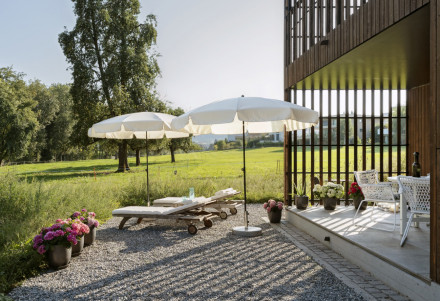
(375, 192)
(415, 191)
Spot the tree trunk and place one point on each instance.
(138, 157)
(122, 155)
(173, 159)
(127, 167)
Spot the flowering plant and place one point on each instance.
(273, 206)
(87, 218)
(60, 233)
(355, 191)
(329, 190)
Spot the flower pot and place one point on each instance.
(59, 256)
(301, 201)
(77, 249)
(356, 203)
(274, 216)
(89, 238)
(329, 203)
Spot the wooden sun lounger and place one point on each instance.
(189, 213)
(221, 201)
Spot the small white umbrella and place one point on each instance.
(241, 115)
(141, 125)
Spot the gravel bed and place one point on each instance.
(162, 261)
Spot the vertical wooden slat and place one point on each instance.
(373, 124)
(364, 130)
(399, 130)
(312, 147)
(304, 151)
(381, 154)
(390, 131)
(295, 145)
(338, 134)
(329, 142)
(321, 133)
(347, 143)
(355, 129)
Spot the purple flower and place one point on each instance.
(72, 239)
(82, 218)
(92, 214)
(76, 214)
(68, 229)
(41, 249)
(96, 223)
(38, 239)
(84, 210)
(49, 235)
(59, 233)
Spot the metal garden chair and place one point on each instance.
(375, 192)
(415, 191)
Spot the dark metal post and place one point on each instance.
(246, 221)
(148, 183)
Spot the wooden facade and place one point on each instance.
(396, 103)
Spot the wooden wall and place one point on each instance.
(419, 139)
(371, 18)
(434, 119)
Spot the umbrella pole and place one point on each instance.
(246, 222)
(148, 183)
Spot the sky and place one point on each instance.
(209, 49)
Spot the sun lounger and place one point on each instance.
(189, 213)
(221, 201)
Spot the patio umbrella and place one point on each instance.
(241, 115)
(141, 125)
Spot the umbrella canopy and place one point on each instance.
(261, 115)
(141, 125)
(246, 114)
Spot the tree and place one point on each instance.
(184, 144)
(113, 64)
(18, 122)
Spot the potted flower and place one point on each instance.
(274, 210)
(56, 242)
(301, 199)
(329, 193)
(87, 218)
(356, 194)
(81, 229)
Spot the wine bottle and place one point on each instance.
(416, 166)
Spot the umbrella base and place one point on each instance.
(247, 231)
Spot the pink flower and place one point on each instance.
(59, 220)
(82, 218)
(272, 203)
(84, 210)
(280, 206)
(68, 229)
(92, 214)
(96, 224)
(41, 249)
(76, 214)
(265, 205)
(59, 233)
(268, 209)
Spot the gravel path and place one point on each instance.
(161, 261)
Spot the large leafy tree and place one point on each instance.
(113, 64)
(18, 122)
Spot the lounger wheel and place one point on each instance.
(233, 211)
(223, 215)
(192, 229)
(208, 223)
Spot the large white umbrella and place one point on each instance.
(241, 115)
(141, 125)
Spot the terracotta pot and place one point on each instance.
(329, 203)
(274, 216)
(77, 249)
(89, 238)
(301, 201)
(59, 256)
(356, 203)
